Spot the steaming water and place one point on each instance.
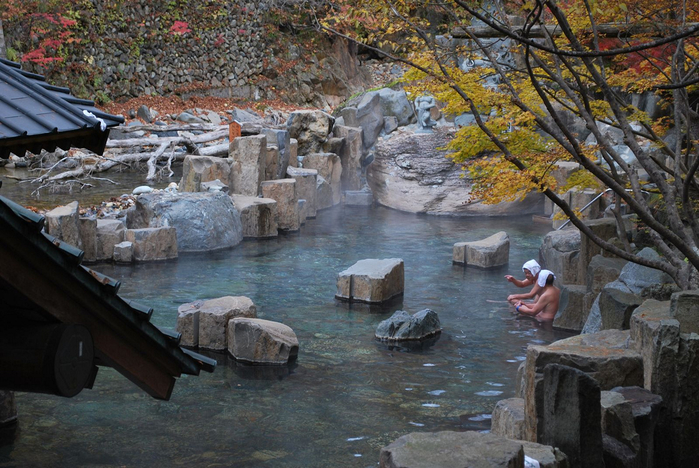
(347, 395)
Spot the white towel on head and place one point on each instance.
(532, 266)
(541, 281)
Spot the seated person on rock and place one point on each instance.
(546, 305)
(531, 271)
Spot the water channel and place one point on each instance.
(347, 395)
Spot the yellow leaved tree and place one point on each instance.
(533, 75)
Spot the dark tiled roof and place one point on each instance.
(35, 115)
(41, 279)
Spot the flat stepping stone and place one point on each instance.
(491, 252)
(371, 280)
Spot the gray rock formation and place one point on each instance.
(152, 243)
(572, 313)
(204, 221)
(402, 326)
(508, 419)
(605, 356)
(249, 158)
(109, 233)
(351, 156)
(449, 449)
(63, 222)
(491, 252)
(572, 415)
(306, 187)
(261, 342)
(283, 191)
(123, 252)
(559, 253)
(88, 236)
(8, 408)
(205, 323)
(329, 167)
(371, 281)
(257, 215)
(410, 174)
(198, 169)
(310, 128)
(281, 139)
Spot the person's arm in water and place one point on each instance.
(519, 283)
(535, 308)
(518, 297)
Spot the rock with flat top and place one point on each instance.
(205, 323)
(261, 342)
(151, 244)
(258, 216)
(491, 252)
(371, 281)
(63, 222)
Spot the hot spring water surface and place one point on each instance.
(347, 395)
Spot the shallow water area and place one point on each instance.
(347, 395)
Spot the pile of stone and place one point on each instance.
(230, 324)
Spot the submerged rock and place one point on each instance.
(258, 341)
(403, 326)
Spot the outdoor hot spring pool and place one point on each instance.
(347, 395)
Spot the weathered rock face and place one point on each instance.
(602, 271)
(280, 139)
(671, 364)
(351, 156)
(123, 252)
(559, 253)
(465, 449)
(605, 356)
(604, 228)
(684, 307)
(88, 236)
(329, 168)
(306, 188)
(249, 158)
(402, 326)
(203, 221)
(198, 169)
(258, 341)
(491, 252)
(63, 223)
(371, 280)
(410, 174)
(572, 313)
(152, 243)
(310, 128)
(258, 216)
(205, 323)
(629, 416)
(508, 419)
(284, 192)
(572, 415)
(109, 233)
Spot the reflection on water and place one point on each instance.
(347, 395)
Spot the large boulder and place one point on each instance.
(152, 243)
(572, 313)
(203, 221)
(258, 216)
(493, 251)
(370, 118)
(559, 253)
(402, 326)
(572, 415)
(602, 271)
(258, 341)
(205, 323)
(88, 236)
(63, 222)
(409, 173)
(283, 191)
(684, 307)
(306, 187)
(281, 139)
(371, 280)
(638, 277)
(329, 168)
(605, 356)
(508, 418)
(310, 128)
(449, 449)
(351, 156)
(605, 228)
(248, 160)
(198, 169)
(109, 233)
